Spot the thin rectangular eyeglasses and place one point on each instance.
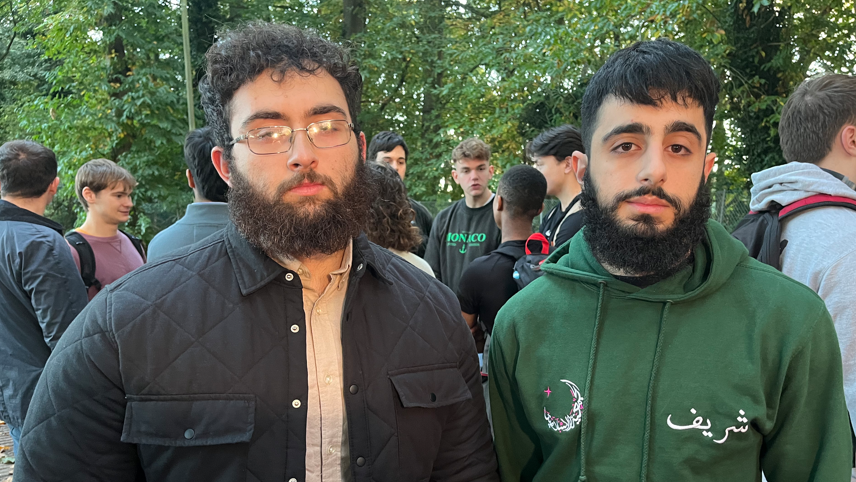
(278, 139)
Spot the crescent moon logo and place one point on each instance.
(574, 416)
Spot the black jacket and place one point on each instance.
(187, 370)
(40, 293)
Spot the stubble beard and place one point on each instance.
(303, 229)
(642, 247)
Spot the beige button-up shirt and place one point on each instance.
(327, 457)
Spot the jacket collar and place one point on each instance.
(255, 269)
(10, 212)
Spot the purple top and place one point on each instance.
(115, 257)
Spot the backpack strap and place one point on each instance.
(818, 200)
(86, 257)
(138, 244)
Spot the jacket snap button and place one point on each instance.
(360, 267)
(353, 389)
(295, 404)
(361, 461)
(433, 397)
(295, 328)
(289, 277)
(189, 434)
(292, 480)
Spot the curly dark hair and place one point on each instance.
(241, 55)
(390, 217)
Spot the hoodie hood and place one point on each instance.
(794, 181)
(714, 260)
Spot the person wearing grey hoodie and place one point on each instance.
(818, 139)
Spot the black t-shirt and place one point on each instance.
(460, 234)
(489, 282)
(567, 229)
(423, 221)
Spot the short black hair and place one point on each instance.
(386, 141)
(27, 169)
(522, 189)
(242, 54)
(814, 115)
(649, 73)
(197, 154)
(559, 142)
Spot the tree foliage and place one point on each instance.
(104, 78)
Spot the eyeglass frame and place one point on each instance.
(246, 136)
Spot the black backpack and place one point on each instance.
(527, 268)
(87, 256)
(761, 231)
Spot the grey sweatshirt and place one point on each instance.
(821, 250)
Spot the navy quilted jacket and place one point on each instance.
(187, 369)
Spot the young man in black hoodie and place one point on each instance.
(40, 288)
(466, 229)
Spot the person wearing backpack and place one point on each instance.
(489, 281)
(817, 243)
(102, 252)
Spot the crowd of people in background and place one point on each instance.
(306, 320)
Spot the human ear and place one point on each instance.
(361, 141)
(709, 161)
(848, 139)
(218, 158)
(190, 181)
(579, 163)
(88, 195)
(568, 163)
(499, 203)
(54, 186)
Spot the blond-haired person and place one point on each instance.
(100, 250)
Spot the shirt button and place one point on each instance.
(361, 461)
(295, 328)
(332, 450)
(353, 389)
(295, 404)
(319, 311)
(289, 276)
(189, 433)
(328, 380)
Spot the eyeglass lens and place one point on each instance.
(324, 134)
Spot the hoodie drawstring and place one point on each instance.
(643, 476)
(586, 397)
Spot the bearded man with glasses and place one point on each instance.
(286, 347)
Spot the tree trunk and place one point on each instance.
(354, 17)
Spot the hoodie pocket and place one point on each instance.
(191, 437)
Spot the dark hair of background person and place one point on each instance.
(650, 73)
(197, 155)
(386, 141)
(522, 189)
(472, 148)
(389, 224)
(27, 169)
(559, 142)
(814, 114)
(242, 54)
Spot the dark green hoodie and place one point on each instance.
(722, 370)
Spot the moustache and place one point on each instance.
(311, 176)
(657, 192)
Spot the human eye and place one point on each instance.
(679, 149)
(271, 134)
(623, 147)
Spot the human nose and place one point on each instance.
(653, 172)
(302, 154)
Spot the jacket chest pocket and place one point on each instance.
(191, 437)
(427, 396)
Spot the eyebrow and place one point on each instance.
(681, 126)
(634, 128)
(263, 114)
(326, 109)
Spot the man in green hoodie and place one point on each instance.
(654, 348)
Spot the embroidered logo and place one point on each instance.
(574, 416)
(700, 423)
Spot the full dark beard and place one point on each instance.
(640, 249)
(283, 229)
